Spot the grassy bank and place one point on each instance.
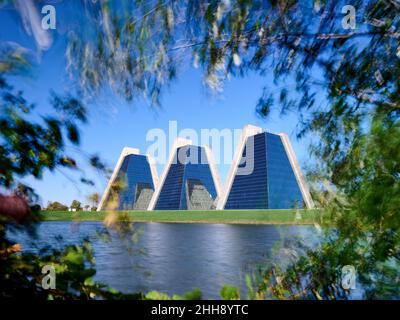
(225, 216)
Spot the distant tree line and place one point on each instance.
(75, 205)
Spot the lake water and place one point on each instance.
(170, 257)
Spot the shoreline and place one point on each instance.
(247, 222)
(249, 217)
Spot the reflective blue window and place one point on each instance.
(249, 191)
(272, 183)
(134, 176)
(190, 163)
(283, 189)
(170, 194)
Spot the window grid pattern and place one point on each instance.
(135, 169)
(272, 183)
(190, 162)
(250, 191)
(170, 195)
(283, 189)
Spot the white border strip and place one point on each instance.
(153, 170)
(297, 171)
(125, 152)
(179, 142)
(248, 131)
(214, 171)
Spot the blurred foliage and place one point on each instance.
(117, 187)
(343, 85)
(138, 47)
(56, 206)
(76, 205)
(21, 272)
(195, 294)
(94, 199)
(28, 148)
(21, 275)
(365, 211)
(29, 145)
(229, 293)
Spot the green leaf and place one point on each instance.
(229, 293)
(156, 295)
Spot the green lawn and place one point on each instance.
(212, 216)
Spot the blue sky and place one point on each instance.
(114, 124)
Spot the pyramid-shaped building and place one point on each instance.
(132, 183)
(190, 180)
(264, 174)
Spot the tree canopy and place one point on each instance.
(76, 205)
(343, 83)
(56, 206)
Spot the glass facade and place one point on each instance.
(249, 191)
(135, 182)
(283, 189)
(271, 184)
(197, 196)
(189, 164)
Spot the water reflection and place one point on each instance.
(176, 257)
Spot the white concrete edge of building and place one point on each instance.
(153, 170)
(214, 171)
(248, 131)
(125, 152)
(179, 142)
(297, 171)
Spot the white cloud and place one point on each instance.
(31, 20)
